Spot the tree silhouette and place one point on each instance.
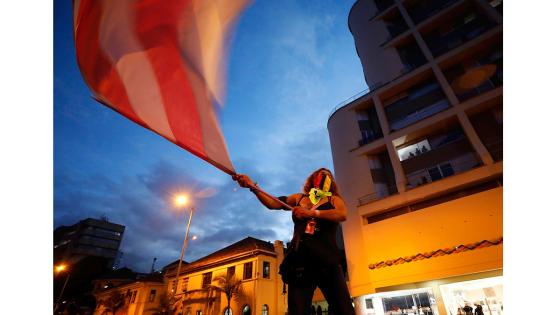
(229, 285)
(113, 303)
(167, 304)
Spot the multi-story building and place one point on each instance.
(253, 261)
(418, 157)
(87, 238)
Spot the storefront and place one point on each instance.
(442, 297)
(417, 301)
(459, 297)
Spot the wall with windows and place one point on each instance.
(138, 298)
(261, 286)
(432, 67)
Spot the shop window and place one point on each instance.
(266, 269)
(486, 295)
(247, 270)
(152, 295)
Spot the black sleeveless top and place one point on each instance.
(319, 247)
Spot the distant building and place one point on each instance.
(125, 292)
(418, 157)
(88, 238)
(254, 261)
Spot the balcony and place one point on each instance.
(489, 128)
(441, 156)
(411, 57)
(383, 178)
(416, 104)
(396, 25)
(383, 5)
(457, 31)
(421, 10)
(369, 126)
(478, 70)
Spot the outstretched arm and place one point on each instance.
(264, 198)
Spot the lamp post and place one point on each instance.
(60, 268)
(182, 200)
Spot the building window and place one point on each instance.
(228, 311)
(231, 271)
(199, 312)
(133, 298)
(206, 279)
(266, 269)
(369, 304)
(246, 310)
(152, 295)
(184, 284)
(247, 271)
(265, 310)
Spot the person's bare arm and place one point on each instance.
(270, 203)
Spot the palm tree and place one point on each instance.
(166, 306)
(229, 285)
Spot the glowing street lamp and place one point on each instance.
(60, 268)
(181, 201)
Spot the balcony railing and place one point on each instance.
(391, 190)
(395, 28)
(440, 44)
(422, 10)
(368, 137)
(441, 170)
(420, 114)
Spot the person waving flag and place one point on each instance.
(161, 64)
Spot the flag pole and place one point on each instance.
(233, 174)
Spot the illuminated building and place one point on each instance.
(418, 157)
(126, 292)
(251, 260)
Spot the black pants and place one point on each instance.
(330, 281)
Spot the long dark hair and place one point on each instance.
(309, 182)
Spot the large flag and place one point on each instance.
(160, 63)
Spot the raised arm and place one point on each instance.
(270, 203)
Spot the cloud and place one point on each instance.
(153, 228)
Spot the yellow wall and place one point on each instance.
(267, 290)
(140, 305)
(462, 221)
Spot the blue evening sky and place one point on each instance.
(290, 63)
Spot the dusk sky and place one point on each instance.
(290, 64)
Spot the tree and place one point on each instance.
(166, 306)
(114, 302)
(229, 285)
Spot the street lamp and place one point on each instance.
(181, 201)
(60, 268)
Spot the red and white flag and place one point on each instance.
(160, 63)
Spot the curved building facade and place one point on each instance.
(419, 157)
